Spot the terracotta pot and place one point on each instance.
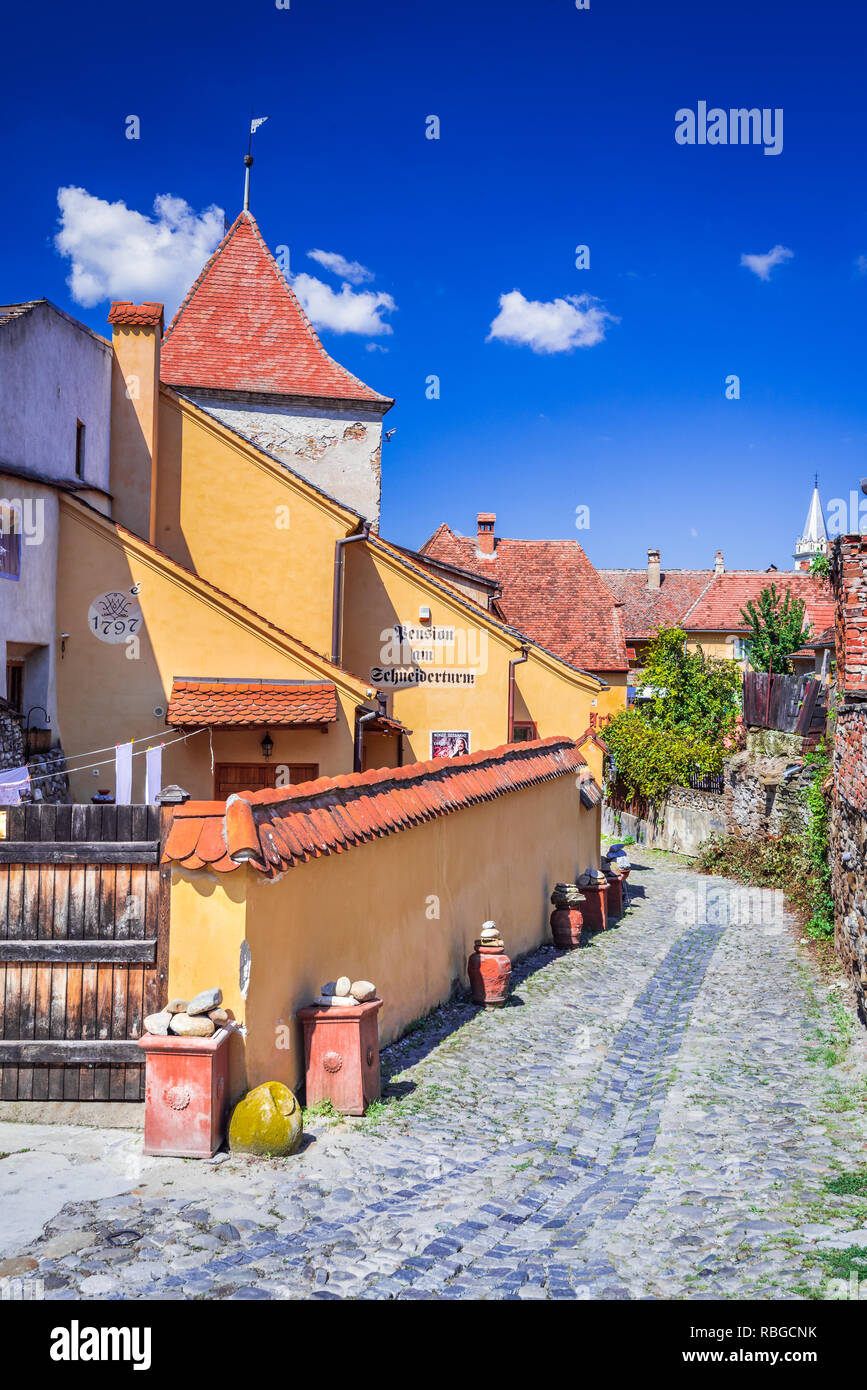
(341, 1055)
(594, 907)
(186, 1094)
(566, 926)
(615, 895)
(490, 971)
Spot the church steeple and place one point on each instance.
(814, 541)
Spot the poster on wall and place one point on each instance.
(449, 745)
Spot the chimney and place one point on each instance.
(137, 331)
(486, 542)
(653, 574)
(718, 563)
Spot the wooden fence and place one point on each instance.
(792, 704)
(84, 936)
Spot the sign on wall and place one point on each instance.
(115, 616)
(449, 744)
(430, 655)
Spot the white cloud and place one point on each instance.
(861, 265)
(118, 253)
(353, 271)
(346, 311)
(375, 347)
(556, 325)
(763, 265)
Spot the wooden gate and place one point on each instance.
(83, 949)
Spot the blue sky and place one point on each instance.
(557, 130)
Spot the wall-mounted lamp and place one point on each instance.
(267, 745)
(64, 636)
(424, 615)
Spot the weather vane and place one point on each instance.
(255, 122)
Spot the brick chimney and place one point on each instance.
(486, 542)
(653, 571)
(137, 331)
(719, 563)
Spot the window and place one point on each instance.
(10, 542)
(79, 449)
(14, 683)
(523, 732)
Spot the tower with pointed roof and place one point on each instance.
(242, 348)
(814, 540)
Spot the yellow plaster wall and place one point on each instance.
(239, 521)
(712, 644)
(104, 697)
(134, 427)
(611, 702)
(380, 593)
(369, 913)
(556, 701)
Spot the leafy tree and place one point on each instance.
(777, 629)
(681, 728)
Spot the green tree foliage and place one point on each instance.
(777, 629)
(680, 730)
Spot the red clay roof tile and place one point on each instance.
(550, 592)
(241, 328)
(336, 813)
(226, 703)
(147, 315)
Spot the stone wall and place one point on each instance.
(685, 819)
(50, 783)
(11, 740)
(764, 786)
(848, 818)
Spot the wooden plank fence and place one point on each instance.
(792, 704)
(83, 949)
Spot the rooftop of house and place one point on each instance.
(223, 702)
(718, 607)
(241, 328)
(550, 591)
(645, 609)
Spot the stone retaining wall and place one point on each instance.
(682, 823)
(764, 786)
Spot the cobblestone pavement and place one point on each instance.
(655, 1115)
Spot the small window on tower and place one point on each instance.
(79, 449)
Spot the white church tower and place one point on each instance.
(814, 541)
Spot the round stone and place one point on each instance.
(267, 1122)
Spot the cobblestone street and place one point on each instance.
(655, 1115)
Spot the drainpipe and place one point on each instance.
(362, 717)
(337, 601)
(516, 661)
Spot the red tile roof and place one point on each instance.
(718, 608)
(277, 829)
(241, 328)
(644, 610)
(251, 702)
(550, 591)
(147, 315)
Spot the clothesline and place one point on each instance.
(105, 762)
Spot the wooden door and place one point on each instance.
(231, 779)
(83, 949)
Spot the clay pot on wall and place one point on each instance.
(489, 969)
(566, 927)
